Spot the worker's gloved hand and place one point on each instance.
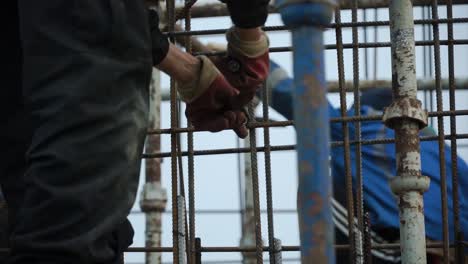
(245, 66)
(209, 101)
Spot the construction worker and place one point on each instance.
(378, 166)
(74, 110)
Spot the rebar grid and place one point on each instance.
(359, 244)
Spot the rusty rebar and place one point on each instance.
(182, 12)
(365, 85)
(170, 6)
(181, 224)
(440, 133)
(293, 147)
(212, 249)
(345, 131)
(277, 250)
(178, 32)
(199, 249)
(453, 141)
(248, 215)
(255, 187)
(198, 255)
(367, 239)
(335, 119)
(191, 164)
(268, 183)
(358, 257)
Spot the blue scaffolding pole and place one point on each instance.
(308, 20)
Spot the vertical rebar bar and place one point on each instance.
(440, 133)
(240, 187)
(406, 117)
(191, 163)
(277, 251)
(248, 220)
(429, 62)
(366, 51)
(307, 19)
(181, 228)
(367, 239)
(376, 38)
(198, 254)
(153, 196)
(345, 131)
(255, 187)
(170, 6)
(426, 93)
(357, 137)
(453, 141)
(268, 183)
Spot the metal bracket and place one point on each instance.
(408, 183)
(405, 107)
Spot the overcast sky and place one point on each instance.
(217, 176)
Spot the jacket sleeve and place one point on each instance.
(159, 42)
(248, 13)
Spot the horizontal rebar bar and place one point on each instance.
(332, 25)
(351, 45)
(293, 147)
(226, 261)
(364, 85)
(225, 211)
(265, 248)
(333, 120)
(216, 10)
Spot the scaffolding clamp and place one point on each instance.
(405, 108)
(408, 183)
(153, 198)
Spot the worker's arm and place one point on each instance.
(246, 64)
(208, 95)
(212, 101)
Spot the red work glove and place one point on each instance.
(209, 99)
(245, 66)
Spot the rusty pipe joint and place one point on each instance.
(405, 108)
(407, 183)
(153, 198)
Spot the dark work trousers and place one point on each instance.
(73, 117)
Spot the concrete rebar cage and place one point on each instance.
(234, 201)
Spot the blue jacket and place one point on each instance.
(378, 165)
